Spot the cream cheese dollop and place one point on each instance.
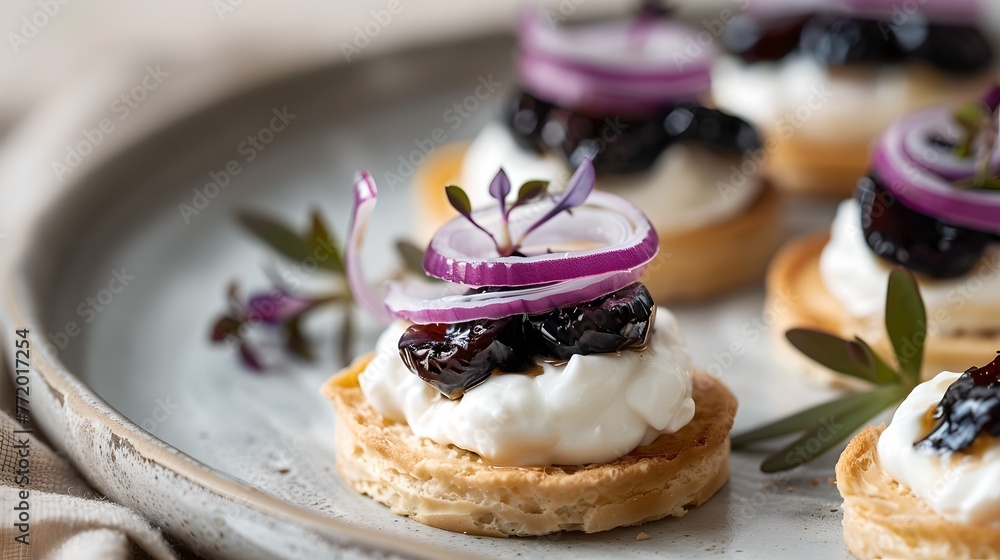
(958, 486)
(857, 278)
(799, 97)
(687, 187)
(592, 409)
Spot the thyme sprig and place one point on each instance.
(280, 308)
(824, 426)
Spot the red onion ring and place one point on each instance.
(904, 164)
(922, 126)
(422, 302)
(626, 240)
(617, 67)
(365, 196)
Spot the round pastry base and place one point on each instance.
(797, 297)
(693, 265)
(816, 167)
(883, 519)
(453, 489)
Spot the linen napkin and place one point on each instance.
(47, 512)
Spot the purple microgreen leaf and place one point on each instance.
(277, 235)
(579, 187)
(992, 98)
(225, 326)
(499, 189)
(365, 197)
(276, 307)
(906, 321)
(324, 244)
(249, 358)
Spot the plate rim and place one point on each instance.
(22, 306)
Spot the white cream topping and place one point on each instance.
(687, 187)
(798, 96)
(593, 409)
(958, 486)
(858, 279)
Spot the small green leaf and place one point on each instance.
(346, 337)
(830, 431)
(412, 256)
(531, 190)
(884, 373)
(295, 342)
(970, 115)
(324, 243)
(845, 356)
(459, 200)
(991, 183)
(280, 237)
(804, 420)
(906, 322)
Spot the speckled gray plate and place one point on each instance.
(239, 465)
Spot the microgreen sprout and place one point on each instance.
(980, 124)
(578, 188)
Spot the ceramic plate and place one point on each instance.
(240, 465)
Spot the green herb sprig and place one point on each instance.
(980, 124)
(280, 308)
(824, 426)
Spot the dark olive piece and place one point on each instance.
(969, 409)
(839, 39)
(609, 324)
(454, 358)
(919, 242)
(620, 145)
